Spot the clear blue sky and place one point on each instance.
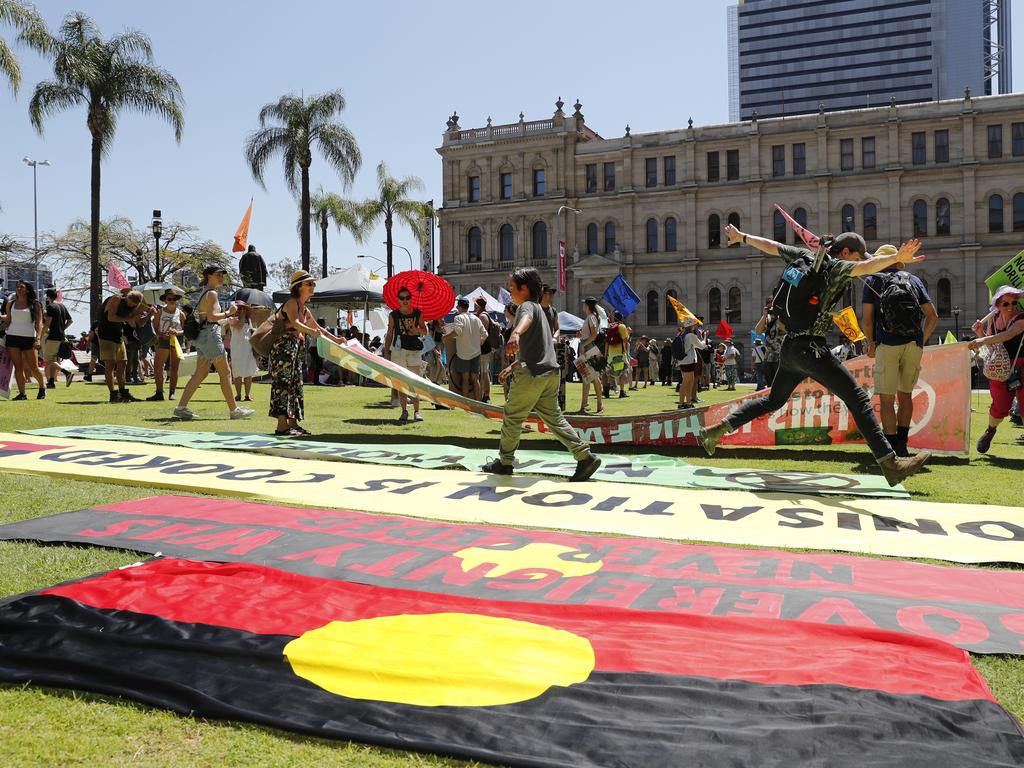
(403, 66)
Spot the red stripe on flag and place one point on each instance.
(267, 601)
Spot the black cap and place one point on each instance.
(850, 240)
(212, 270)
(590, 298)
(548, 289)
(463, 301)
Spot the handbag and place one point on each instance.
(267, 335)
(998, 365)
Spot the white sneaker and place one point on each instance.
(242, 413)
(182, 412)
(417, 416)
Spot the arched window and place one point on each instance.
(920, 218)
(846, 218)
(870, 221)
(734, 220)
(540, 241)
(714, 305)
(1018, 212)
(942, 216)
(670, 234)
(995, 213)
(671, 318)
(735, 312)
(609, 237)
(714, 231)
(652, 236)
(507, 243)
(475, 251)
(652, 307)
(944, 297)
(800, 215)
(591, 238)
(779, 227)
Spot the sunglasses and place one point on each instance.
(405, 298)
(1007, 303)
(170, 298)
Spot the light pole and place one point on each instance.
(396, 245)
(35, 213)
(158, 228)
(956, 319)
(561, 246)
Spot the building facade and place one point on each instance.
(789, 56)
(654, 206)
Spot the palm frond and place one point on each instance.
(9, 67)
(130, 44)
(339, 148)
(260, 146)
(320, 108)
(49, 98)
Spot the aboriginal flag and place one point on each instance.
(506, 682)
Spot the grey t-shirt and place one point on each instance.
(536, 345)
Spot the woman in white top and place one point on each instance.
(169, 325)
(589, 349)
(24, 323)
(688, 365)
(243, 361)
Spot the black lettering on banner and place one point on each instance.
(572, 499)
(923, 525)
(626, 468)
(848, 521)
(411, 488)
(196, 469)
(977, 529)
(796, 514)
(759, 568)
(314, 477)
(252, 474)
(839, 573)
(157, 462)
(610, 503)
(75, 455)
(705, 563)
(416, 531)
(114, 458)
(654, 508)
(716, 512)
(378, 485)
(484, 493)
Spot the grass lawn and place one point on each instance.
(51, 727)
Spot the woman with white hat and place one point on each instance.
(688, 364)
(1005, 326)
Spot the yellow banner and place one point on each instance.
(847, 322)
(682, 312)
(965, 533)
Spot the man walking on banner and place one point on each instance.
(896, 304)
(804, 299)
(534, 379)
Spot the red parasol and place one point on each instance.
(431, 294)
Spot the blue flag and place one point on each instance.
(754, 336)
(621, 296)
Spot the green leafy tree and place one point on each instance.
(292, 127)
(31, 31)
(393, 201)
(327, 207)
(107, 77)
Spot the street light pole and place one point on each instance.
(35, 213)
(396, 245)
(956, 319)
(158, 228)
(561, 246)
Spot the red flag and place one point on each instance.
(242, 235)
(812, 240)
(116, 279)
(351, 319)
(723, 330)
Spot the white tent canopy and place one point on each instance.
(568, 322)
(493, 305)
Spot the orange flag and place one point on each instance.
(242, 235)
(682, 312)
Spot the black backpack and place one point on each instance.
(796, 300)
(193, 325)
(898, 306)
(679, 346)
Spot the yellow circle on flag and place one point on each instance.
(440, 659)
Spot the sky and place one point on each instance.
(403, 66)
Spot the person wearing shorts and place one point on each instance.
(470, 334)
(116, 312)
(897, 357)
(407, 324)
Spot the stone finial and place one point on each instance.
(821, 108)
(521, 117)
(453, 122)
(967, 93)
(488, 121)
(577, 106)
(627, 130)
(892, 102)
(753, 117)
(559, 104)
(689, 123)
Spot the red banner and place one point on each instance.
(814, 416)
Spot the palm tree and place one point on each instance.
(107, 76)
(326, 207)
(31, 30)
(393, 201)
(300, 124)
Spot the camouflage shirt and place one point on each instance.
(838, 276)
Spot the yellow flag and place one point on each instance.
(950, 338)
(847, 322)
(175, 346)
(682, 312)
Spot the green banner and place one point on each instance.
(1012, 273)
(647, 469)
